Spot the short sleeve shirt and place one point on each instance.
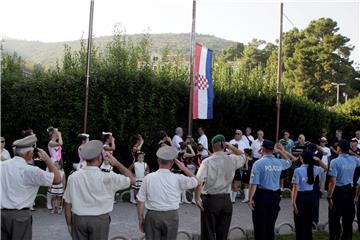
(300, 177)
(266, 172)
(217, 172)
(161, 190)
(343, 168)
(20, 183)
(176, 142)
(91, 191)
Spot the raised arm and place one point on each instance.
(233, 149)
(192, 154)
(60, 139)
(321, 164)
(51, 166)
(281, 151)
(122, 169)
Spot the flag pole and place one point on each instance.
(88, 64)
(279, 72)
(192, 74)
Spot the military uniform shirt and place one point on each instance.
(300, 177)
(161, 190)
(267, 170)
(20, 183)
(343, 168)
(217, 172)
(91, 191)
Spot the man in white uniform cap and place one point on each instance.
(160, 194)
(89, 195)
(20, 183)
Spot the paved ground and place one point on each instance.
(124, 220)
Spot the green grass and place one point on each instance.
(317, 236)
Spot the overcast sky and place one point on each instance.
(59, 20)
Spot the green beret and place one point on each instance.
(218, 138)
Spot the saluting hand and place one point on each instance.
(180, 164)
(251, 204)
(113, 162)
(43, 155)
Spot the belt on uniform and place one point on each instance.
(345, 187)
(305, 192)
(14, 209)
(268, 190)
(215, 195)
(174, 210)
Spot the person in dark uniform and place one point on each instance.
(341, 194)
(318, 154)
(355, 151)
(264, 196)
(302, 194)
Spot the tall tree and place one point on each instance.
(315, 57)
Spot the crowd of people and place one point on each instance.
(213, 172)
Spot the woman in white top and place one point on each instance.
(141, 170)
(109, 148)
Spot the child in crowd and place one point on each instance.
(141, 170)
(137, 142)
(84, 138)
(57, 191)
(54, 147)
(109, 148)
(55, 144)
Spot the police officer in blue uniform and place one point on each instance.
(340, 192)
(302, 194)
(264, 196)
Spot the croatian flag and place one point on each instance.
(203, 89)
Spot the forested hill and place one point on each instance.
(48, 53)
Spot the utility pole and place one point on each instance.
(337, 90)
(88, 64)
(192, 74)
(279, 72)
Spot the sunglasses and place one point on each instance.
(237, 133)
(2, 141)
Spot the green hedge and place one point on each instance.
(129, 94)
